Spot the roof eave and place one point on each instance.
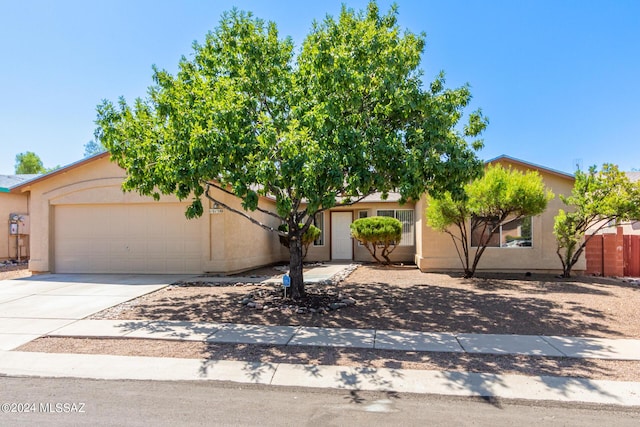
(25, 186)
(531, 165)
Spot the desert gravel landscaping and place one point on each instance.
(406, 299)
(13, 270)
(398, 297)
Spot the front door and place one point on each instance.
(341, 242)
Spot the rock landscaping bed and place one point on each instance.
(403, 298)
(14, 269)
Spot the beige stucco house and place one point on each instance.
(81, 221)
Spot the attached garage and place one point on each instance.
(125, 238)
(82, 222)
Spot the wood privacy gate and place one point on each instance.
(613, 254)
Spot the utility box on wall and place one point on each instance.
(18, 224)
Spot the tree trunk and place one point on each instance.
(295, 266)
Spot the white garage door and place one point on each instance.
(136, 238)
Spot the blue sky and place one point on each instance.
(558, 79)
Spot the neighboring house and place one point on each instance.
(81, 221)
(13, 204)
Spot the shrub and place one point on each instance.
(307, 238)
(378, 232)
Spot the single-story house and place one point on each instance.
(14, 218)
(82, 221)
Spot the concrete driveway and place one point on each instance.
(34, 306)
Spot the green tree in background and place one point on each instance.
(92, 148)
(598, 198)
(29, 163)
(500, 195)
(248, 116)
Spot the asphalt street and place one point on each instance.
(58, 402)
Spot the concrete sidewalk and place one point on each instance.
(563, 389)
(529, 345)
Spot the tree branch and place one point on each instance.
(231, 193)
(243, 214)
(359, 199)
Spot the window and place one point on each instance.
(362, 214)
(318, 221)
(405, 216)
(515, 233)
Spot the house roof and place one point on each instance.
(37, 178)
(17, 183)
(530, 166)
(9, 181)
(633, 176)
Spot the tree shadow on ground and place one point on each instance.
(384, 306)
(483, 375)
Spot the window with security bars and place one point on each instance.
(362, 214)
(318, 221)
(405, 216)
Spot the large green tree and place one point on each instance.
(345, 117)
(29, 163)
(500, 195)
(598, 198)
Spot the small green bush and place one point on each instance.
(307, 238)
(378, 232)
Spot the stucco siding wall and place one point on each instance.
(226, 242)
(236, 243)
(437, 251)
(9, 204)
(403, 253)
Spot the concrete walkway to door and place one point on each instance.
(34, 306)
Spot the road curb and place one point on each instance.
(562, 389)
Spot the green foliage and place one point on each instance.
(378, 231)
(486, 203)
(503, 193)
(308, 237)
(29, 163)
(247, 115)
(597, 198)
(443, 212)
